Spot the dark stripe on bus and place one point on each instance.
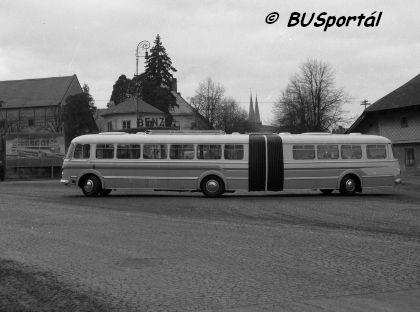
(275, 163)
(256, 163)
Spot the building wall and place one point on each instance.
(400, 151)
(403, 137)
(151, 120)
(20, 119)
(390, 126)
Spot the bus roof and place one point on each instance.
(122, 137)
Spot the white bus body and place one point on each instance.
(221, 163)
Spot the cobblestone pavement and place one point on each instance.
(169, 252)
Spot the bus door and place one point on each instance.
(265, 164)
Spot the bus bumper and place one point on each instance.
(64, 182)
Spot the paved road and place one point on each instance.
(60, 251)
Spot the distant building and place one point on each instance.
(254, 118)
(397, 117)
(123, 116)
(254, 114)
(30, 121)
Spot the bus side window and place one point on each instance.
(234, 151)
(327, 151)
(104, 151)
(154, 151)
(303, 151)
(81, 151)
(351, 151)
(128, 151)
(181, 151)
(211, 151)
(377, 151)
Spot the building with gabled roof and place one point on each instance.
(30, 121)
(123, 115)
(32, 105)
(397, 117)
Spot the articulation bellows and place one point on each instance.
(327, 21)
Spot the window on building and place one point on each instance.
(327, 151)
(351, 151)
(210, 151)
(126, 124)
(303, 151)
(409, 157)
(404, 122)
(104, 151)
(128, 151)
(181, 151)
(376, 151)
(155, 151)
(81, 151)
(109, 125)
(31, 123)
(234, 151)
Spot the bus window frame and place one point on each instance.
(114, 151)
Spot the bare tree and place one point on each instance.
(230, 117)
(311, 101)
(207, 99)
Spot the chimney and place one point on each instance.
(174, 85)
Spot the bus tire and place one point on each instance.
(326, 191)
(349, 185)
(91, 186)
(212, 186)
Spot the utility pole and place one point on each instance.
(144, 46)
(365, 103)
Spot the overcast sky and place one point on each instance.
(228, 41)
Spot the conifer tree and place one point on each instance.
(159, 65)
(156, 84)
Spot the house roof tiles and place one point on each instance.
(129, 106)
(35, 92)
(404, 96)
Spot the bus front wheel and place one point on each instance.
(348, 185)
(212, 186)
(91, 186)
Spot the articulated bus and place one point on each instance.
(215, 163)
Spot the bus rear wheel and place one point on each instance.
(91, 186)
(348, 185)
(212, 186)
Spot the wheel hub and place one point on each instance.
(88, 185)
(212, 186)
(350, 185)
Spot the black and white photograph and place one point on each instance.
(209, 156)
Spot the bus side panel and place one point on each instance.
(256, 163)
(312, 175)
(155, 175)
(382, 174)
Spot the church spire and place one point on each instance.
(251, 116)
(257, 111)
